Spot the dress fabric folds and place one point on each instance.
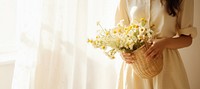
(173, 75)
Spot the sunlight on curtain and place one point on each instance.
(7, 26)
(27, 30)
(53, 41)
(102, 69)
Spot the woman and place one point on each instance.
(171, 18)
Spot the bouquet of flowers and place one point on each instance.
(123, 38)
(133, 38)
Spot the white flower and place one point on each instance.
(122, 37)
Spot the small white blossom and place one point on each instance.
(122, 38)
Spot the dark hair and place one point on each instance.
(172, 6)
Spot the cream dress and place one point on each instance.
(173, 75)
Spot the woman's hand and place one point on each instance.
(159, 45)
(128, 57)
(156, 48)
(153, 52)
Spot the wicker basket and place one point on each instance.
(146, 68)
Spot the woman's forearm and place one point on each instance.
(179, 42)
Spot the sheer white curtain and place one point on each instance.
(53, 41)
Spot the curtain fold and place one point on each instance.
(61, 57)
(49, 70)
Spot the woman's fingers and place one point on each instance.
(129, 62)
(126, 54)
(128, 57)
(158, 55)
(150, 50)
(152, 54)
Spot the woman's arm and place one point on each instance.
(171, 43)
(180, 42)
(159, 45)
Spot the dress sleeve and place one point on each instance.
(122, 12)
(185, 19)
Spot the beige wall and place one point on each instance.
(191, 55)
